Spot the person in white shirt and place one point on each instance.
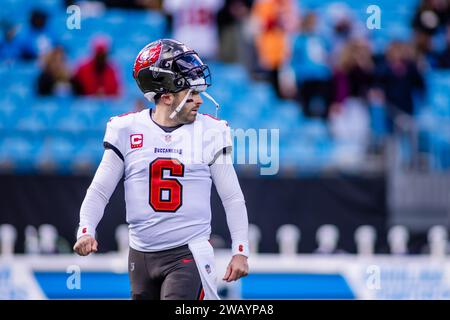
(193, 18)
(169, 158)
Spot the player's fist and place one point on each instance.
(237, 268)
(85, 245)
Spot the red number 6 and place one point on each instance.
(158, 184)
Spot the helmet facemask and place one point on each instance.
(191, 72)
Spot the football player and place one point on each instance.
(169, 157)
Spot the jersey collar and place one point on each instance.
(163, 128)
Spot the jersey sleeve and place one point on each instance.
(113, 139)
(219, 140)
(105, 180)
(227, 185)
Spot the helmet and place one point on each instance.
(168, 65)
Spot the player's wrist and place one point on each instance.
(85, 230)
(240, 248)
(240, 255)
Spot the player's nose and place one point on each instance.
(198, 99)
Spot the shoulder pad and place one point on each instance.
(122, 120)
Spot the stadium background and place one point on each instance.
(363, 113)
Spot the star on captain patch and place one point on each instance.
(168, 138)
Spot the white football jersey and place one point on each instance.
(167, 177)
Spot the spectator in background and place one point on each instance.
(97, 76)
(36, 39)
(399, 78)
(431, 15)
(354, 71)
(9, 46)
(339, 27)
(134, 4)
(423, 48)
(194, 23)
(309, 61)
(149, 4)
(272, 21)
(231, 19)
(429, 21)
(352, 78)
(443, 58)
(54, 77)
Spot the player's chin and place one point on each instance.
(192, 116)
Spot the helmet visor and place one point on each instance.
(188, 61)
(195, 72)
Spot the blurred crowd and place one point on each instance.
(324, 60)
(94, 75)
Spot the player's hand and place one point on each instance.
(237, 268)
(85, 245)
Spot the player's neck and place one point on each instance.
(161, 116)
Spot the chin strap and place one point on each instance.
(207, 95)
(181, 105)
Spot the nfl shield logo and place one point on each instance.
(168, 138)
(208, 268)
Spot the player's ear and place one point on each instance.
(167, 98)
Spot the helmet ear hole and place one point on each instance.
(179, 83)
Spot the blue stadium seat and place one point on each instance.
(20, 150)
(90, 151)
(8, 113)
(35, 120)
(80, 115)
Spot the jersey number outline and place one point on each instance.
(158, 184)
